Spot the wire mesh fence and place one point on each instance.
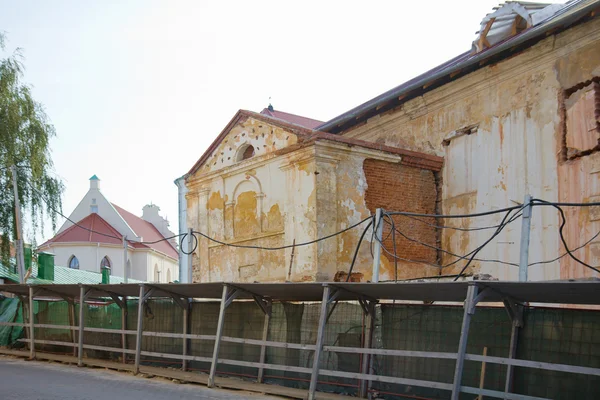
(554, 335)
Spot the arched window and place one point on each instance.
(156, 273)
(73, 263)
(245, 152)
(105, 263)
(168, 276)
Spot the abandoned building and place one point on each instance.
(518, 114)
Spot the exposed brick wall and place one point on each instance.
(397, 187)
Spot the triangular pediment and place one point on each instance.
(264, 134)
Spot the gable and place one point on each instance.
(265, 134)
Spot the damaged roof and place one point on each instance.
(573, 12)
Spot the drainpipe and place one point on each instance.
(183, 258)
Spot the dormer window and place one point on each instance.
(245, 152)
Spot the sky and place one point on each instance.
(137, 90)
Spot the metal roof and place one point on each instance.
(459, 66)
(549, 292)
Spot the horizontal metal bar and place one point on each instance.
(104, 330)
(277, 367)
(179, 335)
(574, 369)
(53, 342)
(268, 343)
(102, 348)
(494, 393)
(387, 379)
(85, 346)
(390, 352)
(13, 324)
(51, 326)
(175, 356)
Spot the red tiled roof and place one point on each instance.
(103, 232)
(292, 118)
(148, 232)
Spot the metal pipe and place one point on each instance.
(215, 358)
(263, 348)
(462, 344)
(82, 292)
(185, 330)
(138, 337)
(319, 344)
(378, 227)
(525, 235)
(125, 259)
(31, 326)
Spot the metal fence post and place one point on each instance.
(82, 293)
(368, 341)
(138, 337)
(378, 228)
(514, 337)
(263, 348)
(124, 327)
(525, 235)
(190, 257)
(464, 336)
(185, 329)
(319, 344)
(31, 326)
(125, 259)
(215, 358)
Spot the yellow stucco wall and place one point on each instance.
(512, 111)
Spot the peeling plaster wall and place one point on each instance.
(503, 131)
(252, 203)
(280, 197)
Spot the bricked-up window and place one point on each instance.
(582, 119)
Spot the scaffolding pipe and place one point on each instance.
(464, 336)
(525, 235)
(378, 227)
(319, 344)
(31, 326)
(82, 292)
(215, 358)
(138, 337)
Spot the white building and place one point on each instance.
(96, 240)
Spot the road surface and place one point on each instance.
(33, 380)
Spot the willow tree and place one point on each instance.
(25, 133)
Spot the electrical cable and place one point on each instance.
(560, 231)
(565, 253)
(481, 214)
(241, 246)
(362, 236)
(453, 254)
(456, 228)
(496, 233)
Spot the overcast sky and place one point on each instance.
(137, 90)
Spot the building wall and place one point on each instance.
(501, 130)
(244, 203)
(142, 260)
(285, 198)
(404, 188)
(90, 256)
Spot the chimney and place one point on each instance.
(46, 266)
(95, 183)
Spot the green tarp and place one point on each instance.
(10, 311)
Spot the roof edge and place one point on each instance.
(534, 33)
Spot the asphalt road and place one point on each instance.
(32, 380)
